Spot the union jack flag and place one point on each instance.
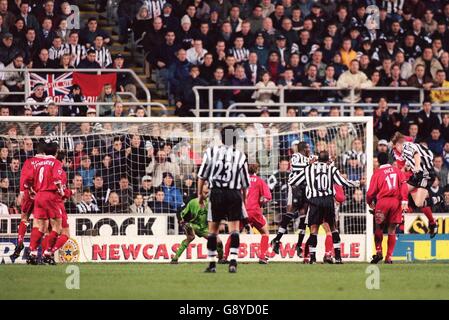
(55, 84)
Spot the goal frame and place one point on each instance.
(369, 147)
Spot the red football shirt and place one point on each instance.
(257, 189)
(387, 182)
(47, 173)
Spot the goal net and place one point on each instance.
(122, 168)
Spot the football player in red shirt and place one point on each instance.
(389, 188)
(27, 202)
(46, 183)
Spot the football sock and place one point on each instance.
(51, 240)
(378, 238)
(22, 231)
(182, 247)
(227, 247)
(263, 246)
(428, 213)
(36, 235)
(286, 218)
(212, 247)
(336, 241)
(391, 244)
(44, 242)
(235, 243)
(313, 241)
(329, 247)
(301, 230)
(307, 248)
(62, 239)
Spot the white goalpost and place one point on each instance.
(116, 159)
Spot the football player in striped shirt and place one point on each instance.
(416, 161)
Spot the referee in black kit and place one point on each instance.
(319, 179)
(226, 170)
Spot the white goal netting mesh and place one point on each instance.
(114, 167)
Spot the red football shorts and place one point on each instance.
(47, 205)
(256, 219)
(27, 203)
(388, 210)
(65, 223)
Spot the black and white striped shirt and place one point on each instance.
(55, 53)
(224, 167)
(103, 57)
(409, 149)
(154, 7)
(84, 207)
(319, 179)
(240, 54)
(76, 51)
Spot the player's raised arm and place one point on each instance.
(342, 181)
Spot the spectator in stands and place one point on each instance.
(138, 158)
(185, 98)
(127, 12)
(87, 171)
(140, 24)
(26, 150)
(90, 61)
(268, 156)
(431, 64)
(356, 204)
(89, 33)
(435, 142)
(161, 165)
(30, 20)
(75, 96)
(207, 68)
(169, 17)
(146, 188)
(63, 31)
(195, 55)
(179, 71)
(188, 189)
(107, 95)
(139, 206)
(265, 89)
(441, 170)
(445, 127)
(183, 157)
(107, 170)
(420, 80)
(444, 205)
(427, 119)
(7, 196)
(46, 33)
(102, 54)
(8, 49)
(8, 17)
(115, 205)
(440, 96)
(100, 192)
(14, 175)
(118, 155)
(353, 79)
(240, 79)
(87, 204)
(221, 97)
(5, 158)
(256, 18)
(125, 192)
(357, 151)
(124, 80)
(160, 205)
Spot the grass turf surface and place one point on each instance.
(253, 281)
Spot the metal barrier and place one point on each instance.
(281, 94)
(27, 72)
(147, 104)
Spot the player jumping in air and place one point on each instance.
(194, 222)
(417, 162)
(46, 182)
(388, 187)
(296, 202)
(27, 203)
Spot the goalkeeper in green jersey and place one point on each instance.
(194, 222)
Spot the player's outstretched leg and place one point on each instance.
(212, 253)
(276, 242)
(181, 249)
(233, 252)
(337, 250)
(433, 226)
(21, 235)
(378, 238)
(263, 249)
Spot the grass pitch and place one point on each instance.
(253, 281)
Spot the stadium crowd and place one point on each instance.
(266, 44)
